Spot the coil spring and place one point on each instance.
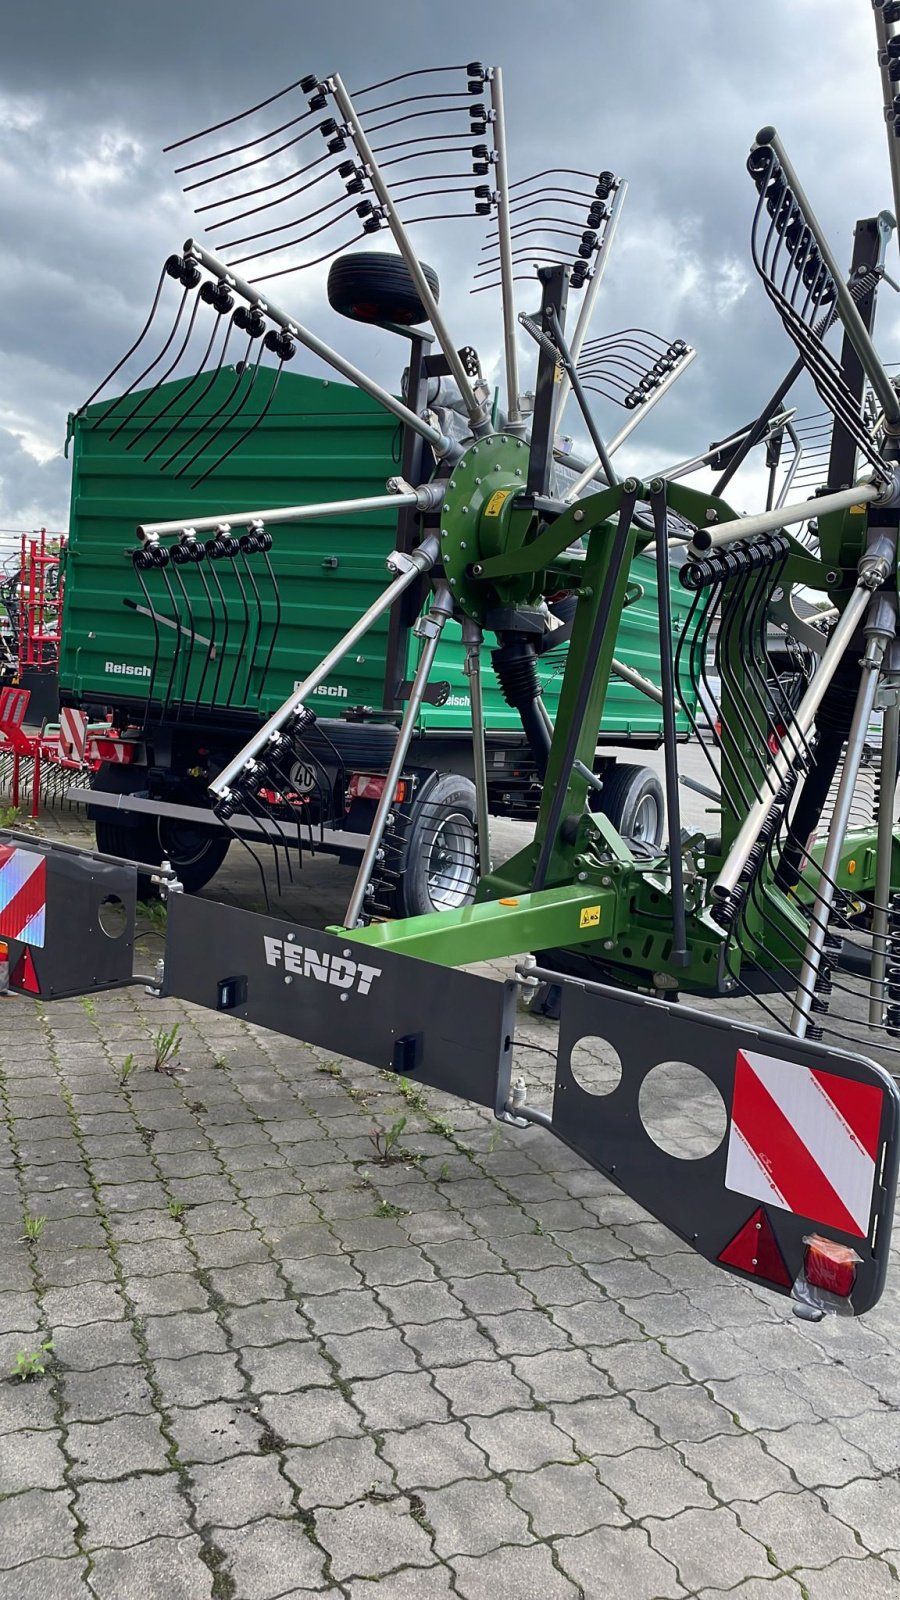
(734, 560)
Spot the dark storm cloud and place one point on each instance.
(667, 94)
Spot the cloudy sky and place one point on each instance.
(667, 93)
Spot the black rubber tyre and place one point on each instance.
(438, 866)
(632, 799)
(373, 287)
(195, 852)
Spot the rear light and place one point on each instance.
(829, 1265)
(370, 786)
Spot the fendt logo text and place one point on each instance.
(124, 669)
(339, 971)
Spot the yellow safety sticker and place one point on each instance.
(858, 510)
(497, 502)
(590, 917)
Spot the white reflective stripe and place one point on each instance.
(822, 1128)
(746, 1173)
(33, 931)
(14, 874)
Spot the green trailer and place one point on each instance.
(189, 662)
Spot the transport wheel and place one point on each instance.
(195, 852)
(373, 287)
(438, 862)
(632, 799)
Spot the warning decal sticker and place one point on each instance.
(804, 1140)
(23, 894)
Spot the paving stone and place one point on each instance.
(372, 1355)
(639, 1572)
(416, 1303)
(878, 1434)
(574, 1377)
(762, 1400)
(348, 1311)
(797, 1529)
(320, 1275)
(31, 1460)
(523, 1333)
(61, 1269)
(832, 1391)
(372, 1537)
(637, 1366)
(684, 1413)
(229, 1494)
(483, 1388)
(41, 1580)
(337, 1472)
(106, 1392)
(596, 1322)
(446, 1343)
(735, 1465)
(170, 1567)
(34, 1525)
(652, 1482)
(273, 1322)
(18, 1313)
(564, 1500)
(849, 1580)
(185, 1333)
(871, 1507)
(310, 1418)
(137, 1227)
(604, 1427)
(230, 1249)
(781, 1588)
(433, 1454)
(25, 1406)
(116, 1447)
(285, 1368)
(164, 1294)
(246, 1285)
(527, 1251)
(193, 1380)
(520, 1441)
(470, 1518)
(818, 1455)
(513, 1574)
(103, 1344)
(214, 1432)
(401, 1400)
(122, 1514)
(708, 1546)
(493, 1293)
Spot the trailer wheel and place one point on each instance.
(195, 852)
(374, 287)
(438, 861)
(632, 799)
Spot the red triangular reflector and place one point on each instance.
(23, 975)
(755, 1249)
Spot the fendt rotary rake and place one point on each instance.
(792, 909)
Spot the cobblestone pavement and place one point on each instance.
(282, 1366)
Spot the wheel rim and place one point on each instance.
(646, 820)
(182, 844)
(451, 868)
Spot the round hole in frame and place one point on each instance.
(682, 1110)
(112, 916)
(596, 1066)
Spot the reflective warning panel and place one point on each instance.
(804, 1140)
(23, 895)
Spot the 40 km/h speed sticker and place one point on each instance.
(303, 777)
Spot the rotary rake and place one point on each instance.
(791, 909)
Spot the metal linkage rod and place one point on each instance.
(680, 951)
(569, 367)
(220, 270)
(591, 292)
(507, 293)
(890, 749)
(637, 416)
(472, 638)
(477, 412)
(792, 744)
(430, 629)
(409, 568)
(783, 517)
(856, 329)
(272, 516)
(879, 630)
(885, 33)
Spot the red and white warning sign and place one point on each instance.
(804, 1140)
(73, 728)
(23, 894)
